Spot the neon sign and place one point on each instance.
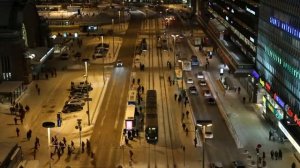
(268, 86)
(285, 26)
(278, 100)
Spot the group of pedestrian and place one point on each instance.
(276, 155)
(130, 135)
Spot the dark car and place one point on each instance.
(211, 100)
(64, 56)
(105, 45)
(71, 108)
(193, 90)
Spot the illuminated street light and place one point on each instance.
(113, 33)
(203, 124)
(174, 51)
(49, 125)
(78, 126)
(88, 96)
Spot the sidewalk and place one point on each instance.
(244, 120)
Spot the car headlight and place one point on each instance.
(155, 138)
(148, 138)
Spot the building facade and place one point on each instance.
(278, 65)
(20, 29)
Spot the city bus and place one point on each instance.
(132, 97)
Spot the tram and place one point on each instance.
(151, 130)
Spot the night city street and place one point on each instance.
(149, 84)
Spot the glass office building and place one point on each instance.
(278, 64)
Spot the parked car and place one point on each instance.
(216, 165)
(76, 101)
(64, 56)
(105, 45)
(71, 108)
(193, 90)
(200, 75)
(190, 81)
(119, 63)
(100, 53)
(202, 82)
(238, 164)
(211, 100)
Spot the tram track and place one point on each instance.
(170, 157)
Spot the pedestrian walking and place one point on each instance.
(39, 91)
(244, 100)
(186, 131)
(16, 121)
(293, 165)
(183, 126)
(72, 145)
(270, 135)
(37, 141)
(51, 155)
(21, 119)
(65, 141)
(69, 151)
(36, 86)
(263, 155)
(182, 116)
(187, 114)
(175, 96)
(59, 154)
(239, 90)
(82, 146)
(173, 82)
(276, 155)
(27, 108)
(18, 132)
(272, 154)
(195, 142)
(185, 103)
(130, 154)
(88, 146)
(279, 154)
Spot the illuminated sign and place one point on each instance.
(290, 112)
(268, 86)
(255, 74)
(285, 26)
(129, 124)
(297, 120)
(226, 17)
(252, 39)
(269, 105)
(278, 100)
(261, 82)
(250, 10)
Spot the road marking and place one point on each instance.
(118, 114)
(108, 100)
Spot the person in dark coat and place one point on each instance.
(276, 155)
(279, 154)
(272, 154)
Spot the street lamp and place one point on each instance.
(78, 126)
(119, 20)
(112, 21)
(203, 124)
(49, 125)
(88, 96)
(102, 58)
(174, 37)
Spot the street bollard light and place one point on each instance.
(49, 125)
(78, 126)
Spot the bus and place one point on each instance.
(10, 155)
(132, 96)
(129, 117)
(151, 130)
